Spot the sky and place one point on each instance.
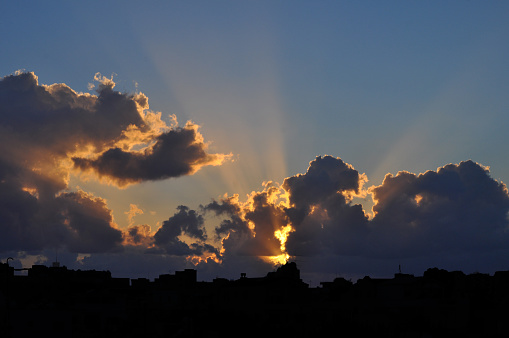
(351, 137)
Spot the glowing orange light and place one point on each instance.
(282, 235)
(205, 258)
(31, 191)
(418, 199)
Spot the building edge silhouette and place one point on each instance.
(77, 303)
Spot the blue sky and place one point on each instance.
(385, 86)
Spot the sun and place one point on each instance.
(282, 236)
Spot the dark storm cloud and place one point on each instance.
(44, 127)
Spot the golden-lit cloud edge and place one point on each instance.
(48, 132)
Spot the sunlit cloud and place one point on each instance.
(313, 215)
(49, 131)
(178, 152)
(139, 235)
(457, 209)
(133, 211)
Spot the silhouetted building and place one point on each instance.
(59, 302)
(188, 277)
(6, 272)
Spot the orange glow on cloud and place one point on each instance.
(147, 142)
(31, 191)
(418, 198)
(282, 235)
(133, 211)
(362, 193)
(278, 198)
(259, 226)
(205, 258)
(139, 235)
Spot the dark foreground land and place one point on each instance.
(57, 302)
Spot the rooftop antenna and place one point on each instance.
(399, 268)
(56, 264)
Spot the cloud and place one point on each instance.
(177, 152)
(76, 221)
(458, 208)
(58, 119)
(139, 235)
(230, 207)
(184, 222)
(133, 211)
(249, 227)
(47, 131)
(455, 217)
(326, 176)
(455, 214)
(321, 213)
(18, 209)
(89, 223)
(309, 214)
